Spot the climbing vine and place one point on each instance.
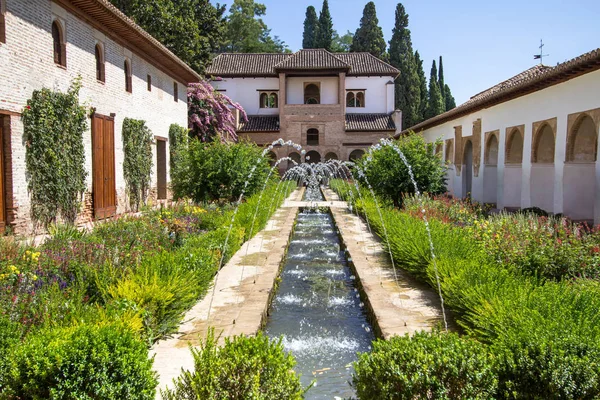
(178, 139)
(137, 162)
(54, 123)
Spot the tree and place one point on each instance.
(435, 105)
(325, 31)
(369, 36)
(248, 34)
(341, 44)
(311, 29)
(401, 56)
(422, 88)
(191, 29)
(450, 103)
(441, 81)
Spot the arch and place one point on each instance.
(264, 100)
(294, 156)
(438, 149)
(449, 152)
(59, 47)
(582, 142)
(127, 70)
(491, 150)
(543, 145)
(331, 156)
(99, 54)
(360, 99)
(350, 99)
(514, 148)
(356, 154)
(272, 158)
(467, 162)
(312, 137)
(312, 93)
(312, 157)
(273, 100)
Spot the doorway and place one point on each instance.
(467, 169)
(103, 166)
(2, 201)
(161, 168)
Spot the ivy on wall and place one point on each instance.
(178, 140)
(54, 123)
(137, 162)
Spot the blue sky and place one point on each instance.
(482, 42)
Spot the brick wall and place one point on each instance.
(27, 64)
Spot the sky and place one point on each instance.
(482, 42)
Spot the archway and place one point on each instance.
(312, 93)
(542, 168)
(513, 169)
(312, 157)
(294, 156)
(331, 156)
(272, 157)
(467, 169)
(490, 170)
(579, 178)
(356, 154)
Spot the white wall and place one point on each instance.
(246, 92)
(329, 89)
(377, 96)
(573, 96)
(27, 64)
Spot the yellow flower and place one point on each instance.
(34, 277)
(12, 268)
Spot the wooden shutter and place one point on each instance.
(161, 168)
(103, 166)
(2, 200)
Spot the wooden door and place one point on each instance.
(2, 201)
(103, 166)
(161, 168)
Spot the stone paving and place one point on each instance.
(398, 307)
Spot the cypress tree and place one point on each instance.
(423, 98)
(435, 105)
(311, 27)
(325, 31)
(369, 36)
(450, 103)
(441, 80)
(402, 57)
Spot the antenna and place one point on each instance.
(541, 55)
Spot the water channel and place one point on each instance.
(317, 308)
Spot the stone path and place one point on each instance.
(240, 302)
(395, 308)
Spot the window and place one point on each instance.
(127, 69)
(175, 92)
(99, 52)
(355, 98)
(268, 100)
(149, 82)
(2, 23)
(312, 93)
(312, 137)
(60, 51)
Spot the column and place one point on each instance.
(526, 166)
(342, 92)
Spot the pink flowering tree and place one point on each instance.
(210, 113)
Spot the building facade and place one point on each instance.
(125, 73)
(530, 141)
(334, 105)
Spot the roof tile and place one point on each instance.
(370, 122)
(312, 59)
(260, 123)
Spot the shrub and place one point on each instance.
(137, 160)
(213, 171)
(244, 368)
(82, 362)
(425, 366)
(389, 177)
(178, 139)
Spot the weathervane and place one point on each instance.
(541, 55)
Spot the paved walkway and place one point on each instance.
(398, 308)
(242, 295)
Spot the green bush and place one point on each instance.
(213, 171)
(426, 366)
(137, 160)
(82, 362)
(10, 335)
(178, 139)
(389, 177)
(244, 368)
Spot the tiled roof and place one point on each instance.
(105, 17)
(370, 122)
(245, 64)
(312, 59)
(260, 123)
(267, 64)
(527, 82)
(366, 64)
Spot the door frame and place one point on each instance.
(163, 142)
(2, 178)
(107, 212)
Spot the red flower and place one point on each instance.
(29, 107)
(596, 249)
(559, 241)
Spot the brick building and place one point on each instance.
(125, 73)
(335, 105)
